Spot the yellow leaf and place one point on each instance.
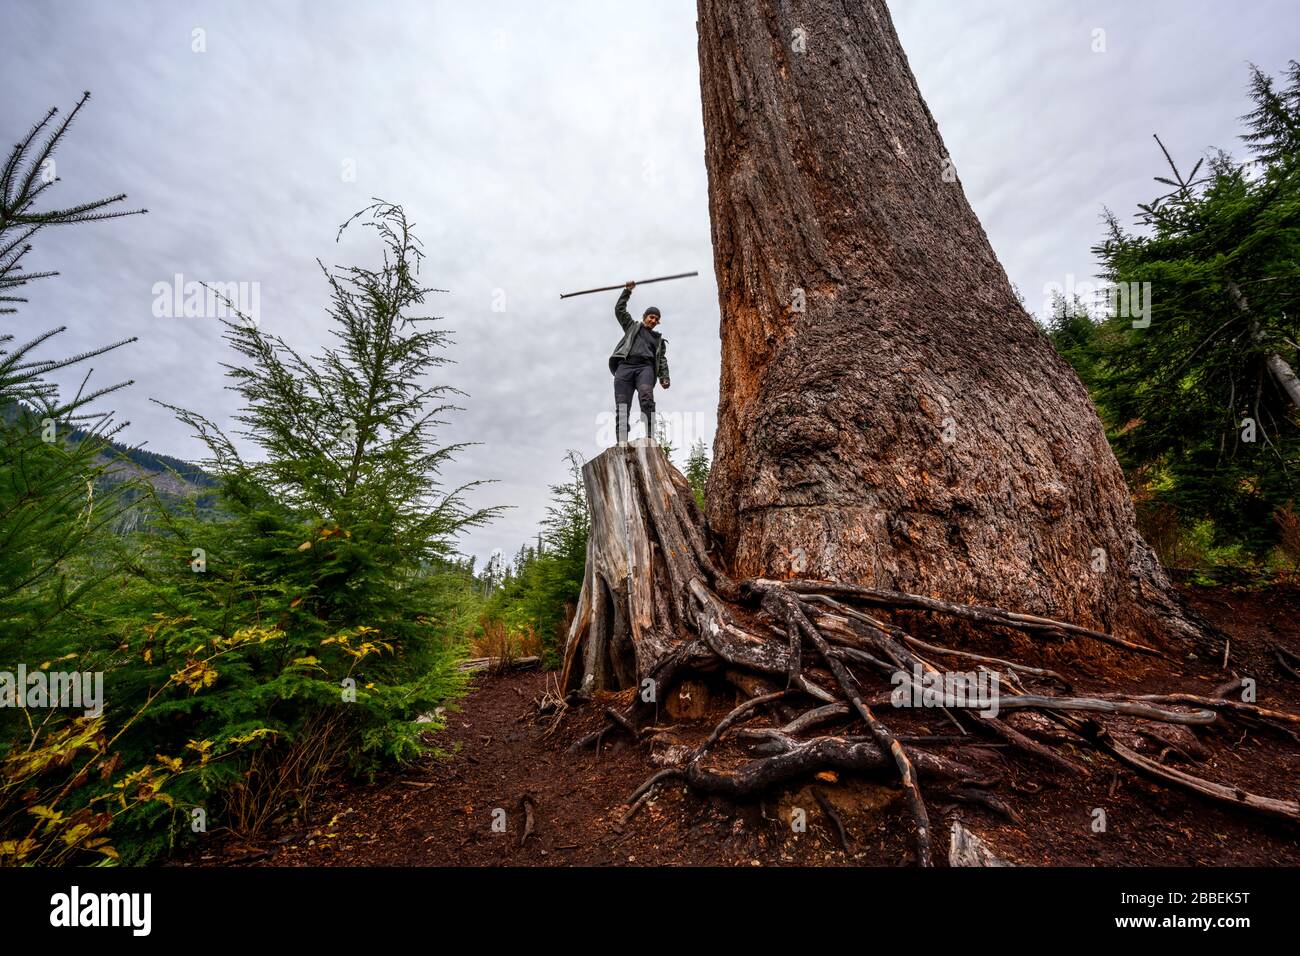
(46, 813)
(203, 747)
(305, 546)
(75, 834)
(252, 735)
(16, 849)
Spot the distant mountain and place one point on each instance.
(171, 476)
(174, 479)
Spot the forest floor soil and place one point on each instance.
(440, 811)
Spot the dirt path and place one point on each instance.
(441, 813)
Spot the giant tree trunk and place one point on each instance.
(912, 427)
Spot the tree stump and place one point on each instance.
(646, 551)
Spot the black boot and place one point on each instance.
(620, 423)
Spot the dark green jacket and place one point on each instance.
(630, 325)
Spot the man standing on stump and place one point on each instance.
(638, 360)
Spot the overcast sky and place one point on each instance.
(541, 148)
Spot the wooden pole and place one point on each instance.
(611, 288)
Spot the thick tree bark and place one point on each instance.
(650, 580)
(889, 414)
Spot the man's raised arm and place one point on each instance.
(620, 307)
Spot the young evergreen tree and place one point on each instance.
(662, 437)
(55, 510)
(48, 511)
(329, 588)
(1203, 404)
(697, 470)
(540, 597)
(1274, 129)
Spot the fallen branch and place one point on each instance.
(1039, 702)
(499, 663)
(1233, 796)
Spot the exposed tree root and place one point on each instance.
(1028, 623)
(526, 803)
(1287, 661)
(841, 832)
(657, 607)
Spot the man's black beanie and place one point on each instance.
(651, 311)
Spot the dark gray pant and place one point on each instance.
(626, 379)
